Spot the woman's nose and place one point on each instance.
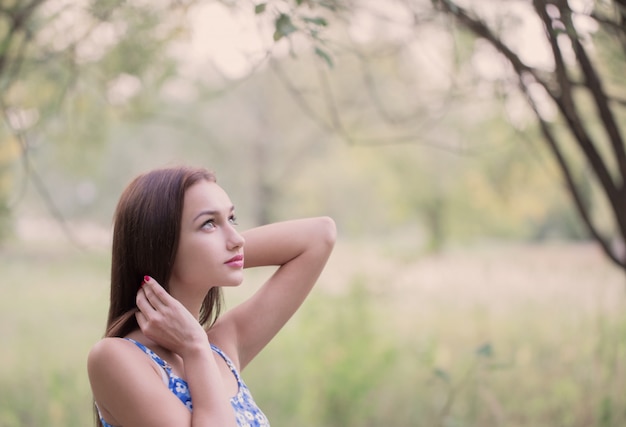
(236, 240)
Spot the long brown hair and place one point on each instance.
(146, 232)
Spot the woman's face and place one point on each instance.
(210, 250)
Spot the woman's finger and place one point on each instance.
(156, 295)
(141, 319)
(144, 324)
(143, 303)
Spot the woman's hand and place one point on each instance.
(125, 384)
(164, 320)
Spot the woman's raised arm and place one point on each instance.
(300, 249)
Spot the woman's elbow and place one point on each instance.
(327, 231)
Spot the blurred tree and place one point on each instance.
(585, 68)
(67, 68)
(566, 59)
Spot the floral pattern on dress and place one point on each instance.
(247, 413)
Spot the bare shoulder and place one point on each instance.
(112, 357)
(108, 343)
(128, 386)
(107, 349)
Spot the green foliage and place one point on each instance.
(324, 55)
(69, 73)
(284, 27)
(376, 356)
(79, 68)
(454, 347)
(299, 21)
(270, 154)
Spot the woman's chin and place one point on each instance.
(233, 282)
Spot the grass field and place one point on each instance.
(494, 336)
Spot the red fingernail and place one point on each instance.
(146, 278)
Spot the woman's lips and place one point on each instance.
(235, 262)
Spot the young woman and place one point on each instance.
(168, 358)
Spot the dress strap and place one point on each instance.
(102, 421)
(155, 357)
(229, 362)
(176, 384)
(168, 369)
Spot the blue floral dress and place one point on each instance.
(247, 413)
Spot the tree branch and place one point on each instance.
(561, 93)
(596, 88)
(40, 187)
(331, 105)
(546, 131)
(298, 98)
(567, 106)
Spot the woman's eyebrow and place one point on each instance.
(212, 213)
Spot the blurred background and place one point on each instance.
(471, 153)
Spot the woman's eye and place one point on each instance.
(209, 224)
(233, 220)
